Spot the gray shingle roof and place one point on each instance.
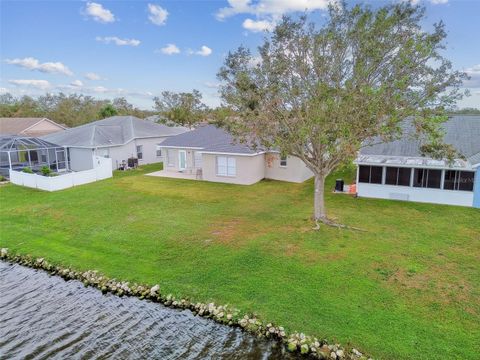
(209, 138)
(115, 130)
(461, 131)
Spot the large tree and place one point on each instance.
(182, 108)
(321, 93)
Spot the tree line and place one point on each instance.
(71, 110)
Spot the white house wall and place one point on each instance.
(295, 171)
(249, 169)
(80, 159)
(149, 150)
(427, 195)
(121, 153)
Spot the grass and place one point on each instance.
(408, 287)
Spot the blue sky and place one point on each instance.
(137, 49)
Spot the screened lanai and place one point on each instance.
(18, 153)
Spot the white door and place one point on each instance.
(182, 159)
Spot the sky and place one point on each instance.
(137, 49)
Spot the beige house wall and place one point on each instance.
(173, 165)
(249, 169)
(41, 128)
(295, 171)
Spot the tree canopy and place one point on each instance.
(184, 108)
(321, 93)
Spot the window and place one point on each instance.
(398, 176)
(427, 178)
(459, 180)
(226, 166)
(370, 174)
(159, 151)
(283, 161)
(170, 158)
(197, 158)
(140, 152)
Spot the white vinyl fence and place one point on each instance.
(102, 170)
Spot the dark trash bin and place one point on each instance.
(339, 183)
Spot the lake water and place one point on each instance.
(45, 317)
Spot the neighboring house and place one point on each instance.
(211, 154)
(397, 170)
(33, 127)
(118, 138)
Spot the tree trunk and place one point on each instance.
(320, 212)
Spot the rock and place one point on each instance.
(292, 346)
(154, 290)
(304, 349)
(356, 352)
(333, 355)
(3, 252)
(340, 354)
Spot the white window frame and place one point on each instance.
(159, 148)
(229, 169)
(197, 159)
(139, 152)
(283, 159)
(170, 161)
(180, 152)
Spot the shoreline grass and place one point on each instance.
(407, 287)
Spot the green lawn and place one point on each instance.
(407, 287)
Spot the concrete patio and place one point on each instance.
(174, 175)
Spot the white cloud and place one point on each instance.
(211, 85)
(47, 67)
(77, 83)
(259, 25)
(92, 76)
(39, 84)
(204, 51)
(270, 7)
(3, 90)
(434, 2)
(170, 49)
(99, 13)
(474, 73)
(98, 89)
(157, 14)
(118, 41)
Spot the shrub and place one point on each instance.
(2, 178)
(46, 171)
(27, 170)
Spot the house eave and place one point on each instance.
(412, 162)
(231, 153)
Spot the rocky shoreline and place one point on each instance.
(224, 314)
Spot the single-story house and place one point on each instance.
(212, 154)
(29, 127)
(116, 137)
(397, 170)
